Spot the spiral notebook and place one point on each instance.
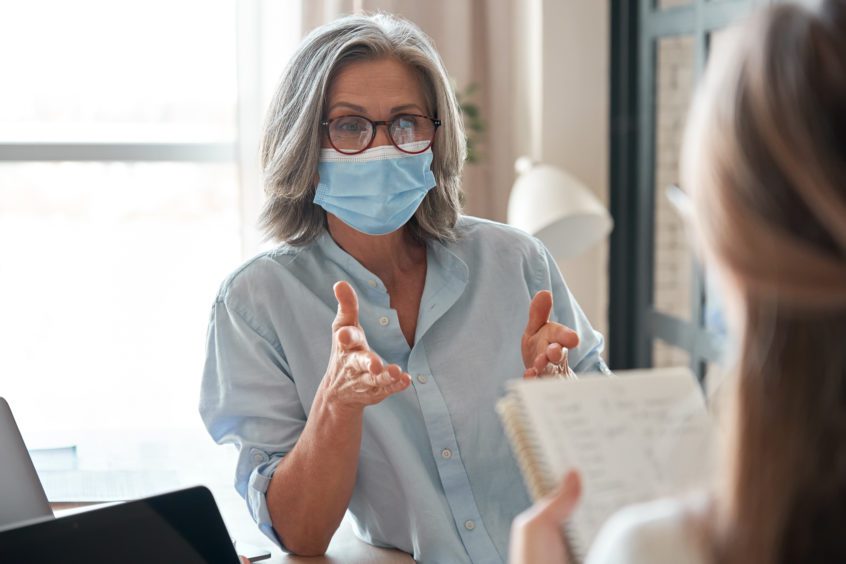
(632, 437)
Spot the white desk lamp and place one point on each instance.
(557, 209)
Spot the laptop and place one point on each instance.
(22, 499)
(184, 526)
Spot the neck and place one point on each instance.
(387, 256)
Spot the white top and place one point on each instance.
(658, 532)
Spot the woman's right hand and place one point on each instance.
(536, 533)
(356, 377)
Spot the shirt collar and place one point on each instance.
(438, 255)
(343, 259)
(447, 276)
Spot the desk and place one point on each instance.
(196, 460)
(345, 546)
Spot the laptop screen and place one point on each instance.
(21, 495)
(183, 526)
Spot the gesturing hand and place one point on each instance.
(356, 377)
(543, 341)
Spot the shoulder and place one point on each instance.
(477, 232)
(260, 274)
(663, 531)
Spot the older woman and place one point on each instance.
(356, 366)
(765, 160)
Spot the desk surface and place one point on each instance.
(345, 546)
(196, 460)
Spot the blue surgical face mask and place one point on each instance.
(717, 321)
(377, 191)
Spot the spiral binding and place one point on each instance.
(536, 472)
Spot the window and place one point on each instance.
(658, 298)
(128, 190)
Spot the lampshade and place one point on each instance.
(557, 209)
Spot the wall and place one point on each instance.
(563, 115)
(547, 66)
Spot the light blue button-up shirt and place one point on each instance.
(436, 477)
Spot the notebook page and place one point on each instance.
(633, 437)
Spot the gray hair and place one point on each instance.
(290, 149)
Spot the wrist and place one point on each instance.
(330, 404)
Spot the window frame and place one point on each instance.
(634, 323)
(255, 21)
(258, 64)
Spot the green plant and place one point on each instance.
(474, 125)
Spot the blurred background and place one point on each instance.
(130, 187)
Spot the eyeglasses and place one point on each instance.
(351, 135)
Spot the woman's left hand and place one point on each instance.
(536, 533)
(544, 341)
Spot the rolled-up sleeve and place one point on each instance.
(587, 357)
(248, 398)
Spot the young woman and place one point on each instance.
(765, 162)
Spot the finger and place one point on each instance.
(540, 362)
(399, 384)
(347, 306)
(539, 311)
(391, 375)
(383, 379)
(375, 374)
(361, 365)
(244, 560)
(562, 335)
(561, 503)
(530, 374)
(375, 365)
(555, 353)
(389, 387)
(394, 371)
(351, 339)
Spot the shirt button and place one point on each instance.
(257, 457)
(371, 283)
(469, 524)
(384, 321)
(422, 378)
(446, 453)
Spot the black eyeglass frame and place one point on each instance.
(387, 123)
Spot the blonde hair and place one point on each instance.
(765, 159)
(290, 148)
